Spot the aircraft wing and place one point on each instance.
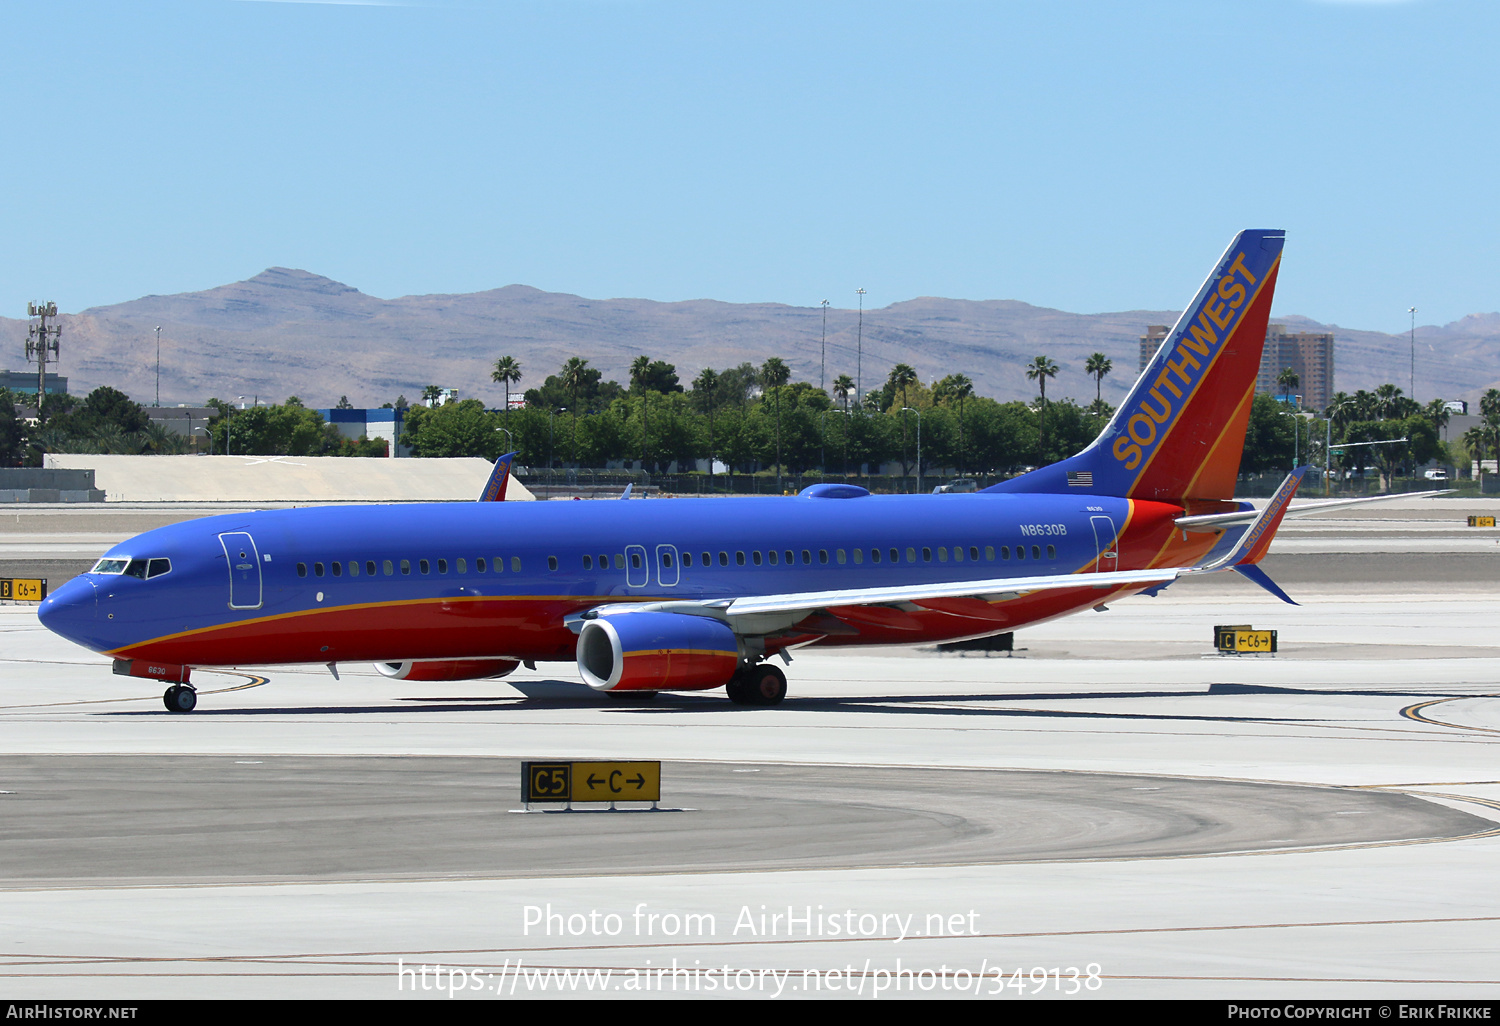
(761, 614)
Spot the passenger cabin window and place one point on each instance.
(771, 556)
(1036, 552)
(317, 569)
(353, 568)
(442, 566)
(687, 559)
(755, 557)
(515, 564)
(463, 566)
(551, 562)
(406, 566)
(337, 568)
(424, 566)
(370, 568)
(588, 562)
(874, 555)
(301, 569)
(739, 558)
(1051, 551)
(386, 566)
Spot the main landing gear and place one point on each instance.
(761, 684)
(180, 698)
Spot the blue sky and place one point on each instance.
(1085, 154)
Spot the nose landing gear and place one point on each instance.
(180, 698)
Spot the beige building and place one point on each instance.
(1310, 356)
(1151, 341)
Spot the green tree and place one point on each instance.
(1097, 366)
(507, 372)
(1039, 370)
(774, 374)
(1268, 436)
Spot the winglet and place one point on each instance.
(494, 488)
(1258, 538)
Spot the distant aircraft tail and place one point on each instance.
(494, 488)
(1179, 434)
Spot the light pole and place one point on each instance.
(859, 351)
(908, 409)
(823, 360)
(1412, 383)
(158, 366)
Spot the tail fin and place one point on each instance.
(1180, 432)
(494, 488)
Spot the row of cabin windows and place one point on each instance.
(389, 567)
(840, 556)
(772, 557)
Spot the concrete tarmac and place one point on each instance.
(1114, 811)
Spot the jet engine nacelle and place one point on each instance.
(656, 652)
(447, 669)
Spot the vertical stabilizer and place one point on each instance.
(1179, 434)
(494, 488)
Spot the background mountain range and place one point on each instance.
(289, 332)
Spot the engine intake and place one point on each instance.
(656, 652)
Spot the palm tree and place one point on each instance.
(575, 376)
(1039, 370)
(507, 371)
(1098, 365)
(902, 375)
(959, 387)
(843, 386)
(708, 383)
(1386, 397)
(774, 373)
(1287, 380)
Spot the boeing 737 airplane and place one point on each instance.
(694, 594)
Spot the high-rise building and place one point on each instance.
(1309, 354)
(1151, 341)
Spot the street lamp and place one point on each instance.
(1412, 383)
(859, 351)
(908, 409)
(823, 360)
(158, 365)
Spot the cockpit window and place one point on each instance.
(142, 568)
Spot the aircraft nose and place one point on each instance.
(71, 608)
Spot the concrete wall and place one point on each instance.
(283, 478)
(38, 484)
